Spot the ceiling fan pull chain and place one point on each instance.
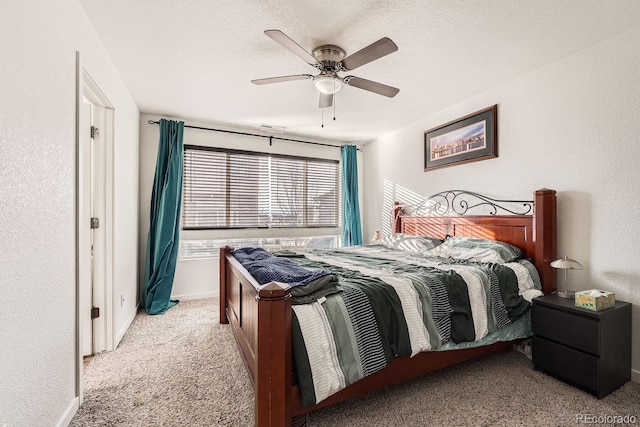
(334, 106)
(322, 112)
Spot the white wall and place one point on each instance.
(38, 44)
(199, 278)
(572, 126)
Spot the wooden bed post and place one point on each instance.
(223, 284)
(273, 379)
(395, 221)
(545, 237)
(260, 318)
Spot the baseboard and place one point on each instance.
(635, 376)
(126, 325)
(68, 415)
(201, 295)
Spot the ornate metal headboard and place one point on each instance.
(460, 202)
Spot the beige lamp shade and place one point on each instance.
(566, 264)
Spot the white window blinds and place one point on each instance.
(240, 189)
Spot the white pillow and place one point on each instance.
(409, 242)
(476, 249)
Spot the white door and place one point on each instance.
(93, 225)
(98, 225)
(84, 243)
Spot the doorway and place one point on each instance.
(95, 136)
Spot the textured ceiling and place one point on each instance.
(195, 58)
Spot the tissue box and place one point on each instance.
(595, 300)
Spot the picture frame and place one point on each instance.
(468, 139)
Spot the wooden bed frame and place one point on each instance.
(260, 316)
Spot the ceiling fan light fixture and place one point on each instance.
(327, 84)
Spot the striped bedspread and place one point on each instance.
(395, 303)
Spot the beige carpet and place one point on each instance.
(183, 369)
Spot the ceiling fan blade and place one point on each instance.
(281, 79)
(326, 100)
(292, 46)
(371, 86)
(375, 50)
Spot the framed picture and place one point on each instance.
(468, 139)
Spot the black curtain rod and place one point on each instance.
(151, 122)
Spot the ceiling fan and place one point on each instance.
(330, 60)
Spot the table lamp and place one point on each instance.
(566, 264)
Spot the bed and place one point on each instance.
(261, 316)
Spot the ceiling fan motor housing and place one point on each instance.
(329, 57)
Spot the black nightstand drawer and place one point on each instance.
(569, 329)
(566, 363)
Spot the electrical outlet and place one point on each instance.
(121, 300)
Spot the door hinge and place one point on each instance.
(95, 132)
(95, 223)
(95, 312)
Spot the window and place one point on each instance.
(225, 188)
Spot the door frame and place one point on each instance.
(104, 326)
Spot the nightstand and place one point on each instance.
(587, 349)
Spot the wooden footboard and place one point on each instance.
(260, 318)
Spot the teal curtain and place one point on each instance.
(352, 228)
(164, 228)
